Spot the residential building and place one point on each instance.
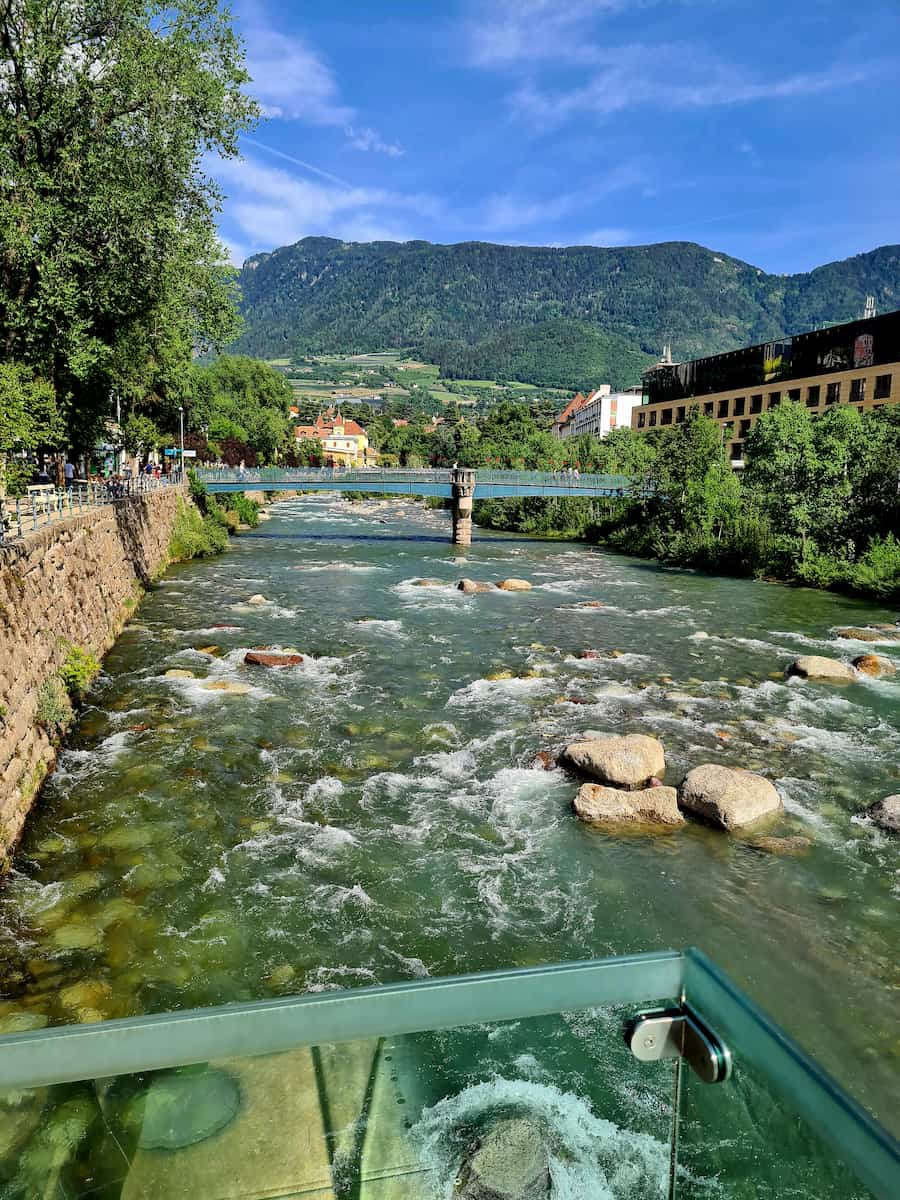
(597, 413)
(855, 363)
(344, 442)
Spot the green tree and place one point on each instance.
(111, 272)
(29, 415)
(781, 470)
(139, 434)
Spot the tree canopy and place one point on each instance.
(111, 272)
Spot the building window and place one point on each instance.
(857, 391)
(794, 395)
(756, 403)
(813, 396)
(666, 417)
(723, 408)
(680, 414)
(745, 428)
(739, 406)
(833, 393)
(708, 409)
(882, 387)
(653, 417)
(774, 399)
(737, 451)
(642, 420)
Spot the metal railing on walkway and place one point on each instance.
(369, 478)
(42, 505)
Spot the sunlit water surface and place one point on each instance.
(374, 814)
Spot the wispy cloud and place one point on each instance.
(701, 81)
(271, 207)
(365, 138)
(504, 32)
(293, 81)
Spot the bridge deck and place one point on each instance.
(488, 484)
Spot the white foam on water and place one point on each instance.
(339, 565)
(374, 625)
(491, 692)
(565, 586)
(589, 1158)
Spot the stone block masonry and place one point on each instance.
(74, 581)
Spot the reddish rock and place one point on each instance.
(874, 664)
(591, 604)
(139, 728)
(224, 626)
(255, 658)
(590, 654)
(543, 761)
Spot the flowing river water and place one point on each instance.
(375, 814)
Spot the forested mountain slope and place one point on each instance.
(470, 306)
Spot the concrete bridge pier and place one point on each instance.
(462, 483)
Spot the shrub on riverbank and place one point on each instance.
(196, 536)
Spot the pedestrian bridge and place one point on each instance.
(456, 484)
(440, 482)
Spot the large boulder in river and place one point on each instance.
(259, 598)
(855, 634)
(814, 666)
(875, 665)
(886, 813)
(513, 585)
(620, 760)
(510, 1163)
(470, 586)
(611, 806)
(729, 797)
(260, 658)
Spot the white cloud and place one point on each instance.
(606, 237)
(273, 208)
(370, 139)
(294, 82)
(504, 32)
(624, 81)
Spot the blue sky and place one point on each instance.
(768, 130)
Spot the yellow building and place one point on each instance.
(344, 442)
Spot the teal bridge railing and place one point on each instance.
(650, 1075)
(437, 482)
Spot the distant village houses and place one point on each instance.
(597, 413)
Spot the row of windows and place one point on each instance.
(738, 406)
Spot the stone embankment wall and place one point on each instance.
(74, 582)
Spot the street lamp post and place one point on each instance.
(181, 422)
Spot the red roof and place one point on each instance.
(575, 404)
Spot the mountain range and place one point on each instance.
(556, 316)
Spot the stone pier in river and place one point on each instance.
(462, 483)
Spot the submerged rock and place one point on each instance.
(793, 846)
(886, 813)
(178, 673)
(872, 633)
(230, 689)
(628, 760)
(511, 1163)
(259, 658)
(513, 585)
(656, 805)
(814, 666)
(470, 586)
(728, 797)
(496, 675)
(875, 665)
(428, 583)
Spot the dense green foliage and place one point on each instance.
(242, 409)
(111, 272)
(196, 536)
(560, 353)
(54, 708)
(321, 295)
(79, 667)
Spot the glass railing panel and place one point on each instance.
(549, 1105)
(780, 1126)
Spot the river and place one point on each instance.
(374, 814)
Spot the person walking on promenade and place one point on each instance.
(241, 469)
(69, 470)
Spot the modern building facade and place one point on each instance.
(856, 363)
(597, 413)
